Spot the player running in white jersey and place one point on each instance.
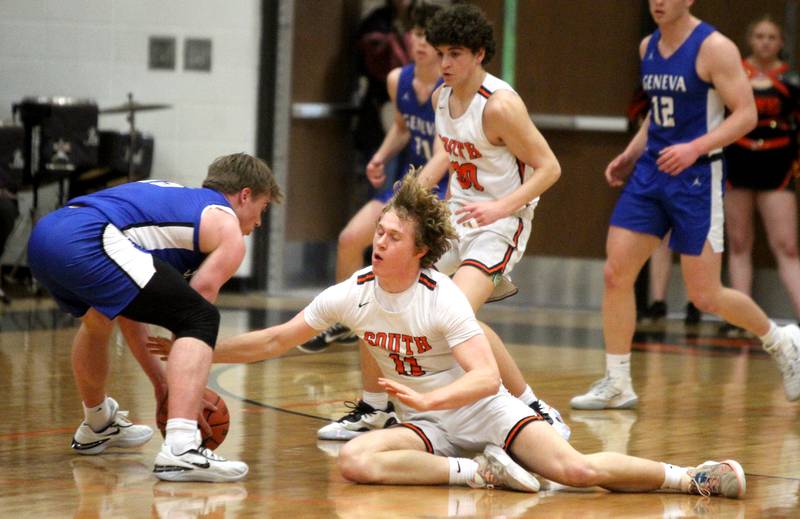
(436, 361)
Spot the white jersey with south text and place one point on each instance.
(409, 334)
(480, 170)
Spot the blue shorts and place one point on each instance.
(84, 261)
(689, 204)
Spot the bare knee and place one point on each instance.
(739, 245)
(579, 474)
(786, 249)
(704, 300)
(348, 239)
(354, 464)
(614, 277)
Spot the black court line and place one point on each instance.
(214, 384)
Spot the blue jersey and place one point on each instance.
(160, 217)
(420, 121)
(419, 117)
(682, 106)
(98, 251)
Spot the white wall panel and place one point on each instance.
(99, 49)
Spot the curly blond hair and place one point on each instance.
(433, 230)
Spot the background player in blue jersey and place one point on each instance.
(124, 253)
(690, 73)
(410, 88)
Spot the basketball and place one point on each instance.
(219, 420)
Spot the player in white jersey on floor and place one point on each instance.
(435, 359)
(485, 135)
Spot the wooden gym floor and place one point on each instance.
(702, 397)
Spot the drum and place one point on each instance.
(115, 153)
(60, 136)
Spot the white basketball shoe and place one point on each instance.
(786, 352)
(607, 393)
(197, 464)
(119, 432)
(362, 418)
(718, 479)
(496, 469)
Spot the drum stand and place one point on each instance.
(35, 173)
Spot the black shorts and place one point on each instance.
(168, 301)
(763, 170)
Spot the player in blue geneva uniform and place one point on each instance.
(690, 73)
(124, 254)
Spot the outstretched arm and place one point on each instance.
(264, 344)
(251, 346)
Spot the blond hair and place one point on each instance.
(230, 174)
(433, 230)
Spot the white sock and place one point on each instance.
(528, 397)
(376, 400)
(674, 477)
(462, 470)
(619, 366)
(99, 416)
(181, 435)
(772, 335)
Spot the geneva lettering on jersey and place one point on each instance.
(669, 82)
(415, 122)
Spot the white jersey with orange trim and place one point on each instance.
(481, 170)
(409, 334)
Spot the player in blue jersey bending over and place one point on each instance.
(690, 73)
(122, 254)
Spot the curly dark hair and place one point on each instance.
(463, 25)
(411, 201)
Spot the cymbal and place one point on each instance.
(133, 106)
